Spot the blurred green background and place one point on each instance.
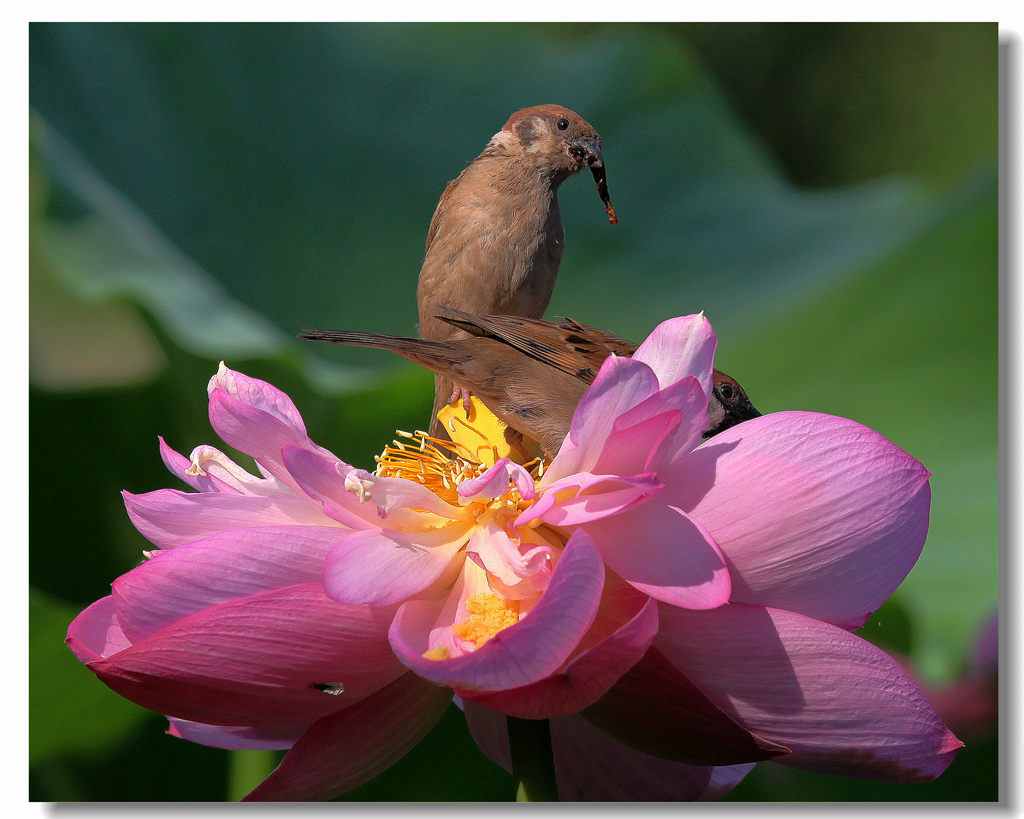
(827, 193)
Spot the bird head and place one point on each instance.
(729, 404)
(558, 143)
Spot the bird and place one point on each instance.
(495, 241)
(580, 350)
(532, 373)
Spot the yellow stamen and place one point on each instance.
(440, 465)
(437, 653)
(488, 614)
(436, 464)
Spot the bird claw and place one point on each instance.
(513, 437)
(463, 393)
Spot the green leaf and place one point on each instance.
(112, 253)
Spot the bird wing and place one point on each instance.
(569, 346)
(442, 205)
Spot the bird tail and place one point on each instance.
(434, 355)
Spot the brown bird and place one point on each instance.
(532, 373)
(496, 239)
(579, 350)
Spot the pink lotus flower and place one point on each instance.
(592, 593)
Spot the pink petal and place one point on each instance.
(590, 766)
(814, 513)
(678, 348)
(95, 633)
(259, 395)
(665, 553)
(519, 655)
(169, 518)
(257, 661)
(346, 749)
(257, 432)
(356, 497)
(587, 677)
(598, 496)
(221, 474)
(632, 450)
(178, 465)
(399, 501)
(657, 710)
(223, 567)
(217, 472)
(843, 706)
(490, 732)
(637, 444)
(495, 482)
(323, 479)
(272, 738)
(492, 549)
(379, 567)
(621, 384)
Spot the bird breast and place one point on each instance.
(501, 229)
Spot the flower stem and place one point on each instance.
(533, 764)
(246, 769)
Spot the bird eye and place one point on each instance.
(563, 124)
(726, 391)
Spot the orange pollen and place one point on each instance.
(437, 464)
(488, 614)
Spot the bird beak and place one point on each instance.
(722, 418)
(747, 411)
(737, 415)
(585, 152)
(590, 152)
